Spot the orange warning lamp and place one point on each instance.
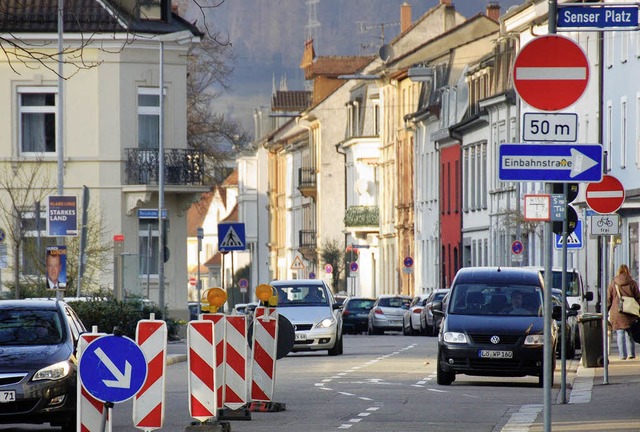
(264, 292)
(216, 297)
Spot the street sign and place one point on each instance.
(328, 268)
(605, 224)
(408, 261)
(243, 283)
(552, 127)
(517, 247)
(353, 266)
(574, 240)
(597, 16)
(151, 213)
(551, 72)
(606, 196)
(537, 207)
(231, 237)
(558, 204)
(113, 368)
(550, 163)
(297, 264)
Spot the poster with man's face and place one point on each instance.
(56, 266)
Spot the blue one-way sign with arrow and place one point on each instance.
(552, 163)
(113, 368)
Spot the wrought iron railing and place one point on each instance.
(181, 167)
(357, 216)
(307, 238)
(306, 178)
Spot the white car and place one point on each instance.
(387, 312)
(411, 318)
(313, 312)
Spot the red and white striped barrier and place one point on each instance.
(263, 359)
(89, 409)
(201, 359)
(218, 339)
(148, 404)
(235, 362)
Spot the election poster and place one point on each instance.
(62, 216)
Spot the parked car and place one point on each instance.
(411, 317)
(310, 307)
(493, 325)
(355, 313)
(430, 325)
(572, 334)
(38, 341)
(387, 312)
(341, 297)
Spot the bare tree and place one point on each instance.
(333, 253)
(210, 67)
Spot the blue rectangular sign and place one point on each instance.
(574, 240)
(151, 213)
(231, 237)
(551, 163)
(597, 16)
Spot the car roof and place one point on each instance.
(318, 282)
(32, 304)
(395, 296)
(497, 275)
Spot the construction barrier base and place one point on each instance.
(209, 426)
(239, 414)
(267, 406)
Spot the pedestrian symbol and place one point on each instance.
(231, 237)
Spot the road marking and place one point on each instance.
(582, 386)
(522, 420)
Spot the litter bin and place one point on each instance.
(591, 339)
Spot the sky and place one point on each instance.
(268, 37)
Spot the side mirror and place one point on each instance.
(336, 306)
(557, 313)
(576, 306)
(436, 308)
(588, 296)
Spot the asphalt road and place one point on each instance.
(384, 383)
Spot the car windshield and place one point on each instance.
(485, 299)
(573, 283)
(30, 327)
(360, 304)
(302, 295)
(394, 302)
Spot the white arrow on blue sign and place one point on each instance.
(552, 163)
(113, 368)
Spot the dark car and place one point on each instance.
(430, 324)
(571, 335)
(38, 340)
(355, 312)
(493, 325)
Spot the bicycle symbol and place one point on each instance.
(604, 221)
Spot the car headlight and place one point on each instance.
(54, 372)
(455, 337)
(534, 340)
(325, 323)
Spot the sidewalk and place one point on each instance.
(596, 406)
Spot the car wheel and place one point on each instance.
(406, 331)
(337, 348)
(443, 377)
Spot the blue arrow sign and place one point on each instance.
(597, 16)
(113, 368)
(552, 163)
(231, 237)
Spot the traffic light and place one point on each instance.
(572, 215)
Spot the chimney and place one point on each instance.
(405, 17)
(493, 10)
(445, 2)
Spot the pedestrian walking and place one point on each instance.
(622, 285)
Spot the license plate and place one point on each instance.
(301, 336)
(496, 354)
(395, 323)
(7, 396)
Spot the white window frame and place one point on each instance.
(147, 110)
(36, 110)
(155, 237)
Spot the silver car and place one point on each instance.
(314, 313)
(387, 313)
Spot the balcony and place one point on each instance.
(307, 182)
(182, 167)
(307, 244)
(361, 217)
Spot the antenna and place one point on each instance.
(364, 28)
(385, 53)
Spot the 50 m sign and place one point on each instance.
(550, 127)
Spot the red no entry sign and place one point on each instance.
(551, 72)
(607, 196)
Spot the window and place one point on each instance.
(148, 242)
(37, 117)
(148, 118)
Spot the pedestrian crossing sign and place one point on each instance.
(231, 237)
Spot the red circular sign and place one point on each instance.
(551, 72)
(192, 281)
(517, 247)
(607, 196)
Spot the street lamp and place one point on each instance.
(181, 37)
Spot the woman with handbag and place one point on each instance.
(623, 299)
